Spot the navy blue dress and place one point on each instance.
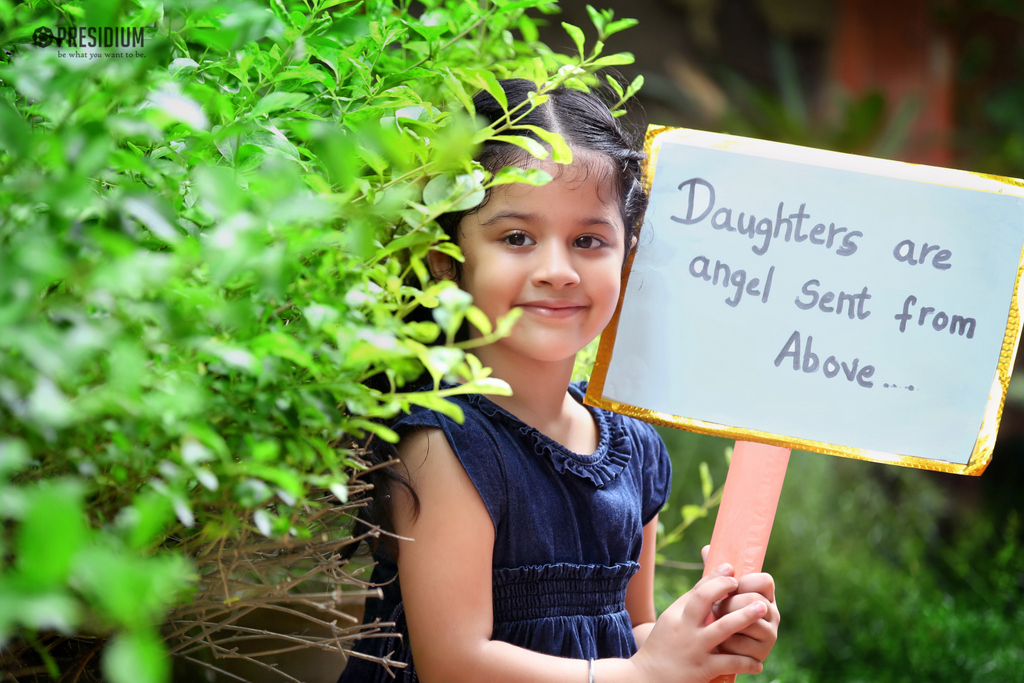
(567, 533)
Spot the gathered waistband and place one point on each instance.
(560, 590)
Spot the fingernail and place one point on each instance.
(759, 608)
(725, 568)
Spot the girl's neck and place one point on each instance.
(540, 398)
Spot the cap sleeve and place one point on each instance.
(657, 474)
(476, 448)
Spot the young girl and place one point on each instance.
(527, 532)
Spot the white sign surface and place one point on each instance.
(827, 301)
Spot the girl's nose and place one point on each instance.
(555, 267)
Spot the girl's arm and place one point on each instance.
(446, 589)
(640, 591)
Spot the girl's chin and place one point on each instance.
(545, 350)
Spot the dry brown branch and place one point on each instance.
(211, 667)
(260, 598)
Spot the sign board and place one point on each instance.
(817, 300)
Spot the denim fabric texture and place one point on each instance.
(567, 533)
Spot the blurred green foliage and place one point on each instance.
(858, 124)
(881, 575)
(989, 136)
(206, 246)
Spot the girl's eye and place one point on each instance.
(588, 242)
(516, 239)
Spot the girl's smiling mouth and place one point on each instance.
(552, 308)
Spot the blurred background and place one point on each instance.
(883, 573)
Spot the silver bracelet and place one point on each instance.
(591, 671)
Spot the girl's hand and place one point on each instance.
(757, 640)
(682, 647)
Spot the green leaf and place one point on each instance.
(182, 65)
(507, 321)
(146, 519)
(561, 153)
(577, 36)
(15, 134)
(614, 83)
(488, 82)
(434, 402)
(154, 213)
(276, 101)
(617, 59)
(706, 485)
(529, 144)
(454, 192)
(263, 522)
(599, 19)
(179, 108)
(375, 428)
(50, 611)
(101, 13)
(51, 534)
(620, 25)
(137, 657)
(283, 346)
(440, 360)
(527, 176)
(339, 490)
(14, 457)
(528, 27)
(453, 303)
(130, 589)
(692, 513)
(634, 87)
(491, 385)
(479, 320)
(455, 86)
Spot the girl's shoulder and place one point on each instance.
(440, 411)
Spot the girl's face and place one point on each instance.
(553, 251)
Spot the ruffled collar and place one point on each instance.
(600, 467)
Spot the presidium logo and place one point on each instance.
(104, 37)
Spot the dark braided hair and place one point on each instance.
(599, 144)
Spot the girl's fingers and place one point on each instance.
(706, 593)
(764, 629)
(738, 601)
(741, 644)
(761, 630)
(735, 622)
(723, 665)
(758, 582)
(677, 608)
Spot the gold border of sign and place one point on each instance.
(982, 453)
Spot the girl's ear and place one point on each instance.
(440, 265)
(632, 244)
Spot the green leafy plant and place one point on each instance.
(207, 245)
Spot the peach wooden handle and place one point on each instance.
(745, 516)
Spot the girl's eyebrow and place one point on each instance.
(501, 215)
